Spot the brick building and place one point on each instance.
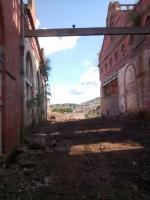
(124, 62)
(34, 76)
(21, 73)
(10, 70)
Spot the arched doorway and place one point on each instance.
(28, 89)
(131, 90)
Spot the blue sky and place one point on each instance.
(75, 76)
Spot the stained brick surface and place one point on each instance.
(11, 75)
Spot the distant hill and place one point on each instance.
(84, 107)
(64, 105)
(88, 106)
(95, 101)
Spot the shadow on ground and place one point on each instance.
(100, 159)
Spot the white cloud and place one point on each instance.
(37, 23)
(86, 63)
(55, 44)
(87, 88)
(90, 77)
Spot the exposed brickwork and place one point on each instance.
(126, 59)
(32, 48)
(11, 79)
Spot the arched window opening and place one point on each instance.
(106, 67)
(131, 39)
(28, 72)
(147, 21)
(37, 82)
(28, 77)
(123, 49)
(116, 56)
(110, 62)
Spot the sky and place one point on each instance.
(75, 76)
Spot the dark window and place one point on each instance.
(122, 49)
(28, 78)
(107, 91)
(106, 67)
(110, 62)
(147, 22)
(116, 55)
(28, 71)
(37, 82)
(131, 39)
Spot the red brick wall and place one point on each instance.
(11, 88)
(113, 44)
(131, 51)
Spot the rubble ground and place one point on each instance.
(94, 159)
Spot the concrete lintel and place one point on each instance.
(87, 31)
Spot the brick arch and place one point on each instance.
(29, 66)
(131, 96)
(29, 88)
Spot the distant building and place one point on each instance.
(124, 62)
(21, 72)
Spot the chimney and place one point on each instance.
(114, 5)
(31, 6)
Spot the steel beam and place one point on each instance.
(87, 31)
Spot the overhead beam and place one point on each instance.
(87, 31)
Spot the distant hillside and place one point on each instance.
(88, 106)
(95, 101)
(65, 105)
(85, 107)
(69, 111)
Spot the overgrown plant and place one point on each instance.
(37, 103)
(46, 67)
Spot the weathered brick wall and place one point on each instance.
(1, 64)
(31, 115)
(32, 47)
(134, 84)
(128, 58)
(11, 76)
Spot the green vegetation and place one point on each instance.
(46, 67)
(62, 110)
(38, 102)
(91, 114)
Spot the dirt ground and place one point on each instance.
(62, 117)
(95, 159)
